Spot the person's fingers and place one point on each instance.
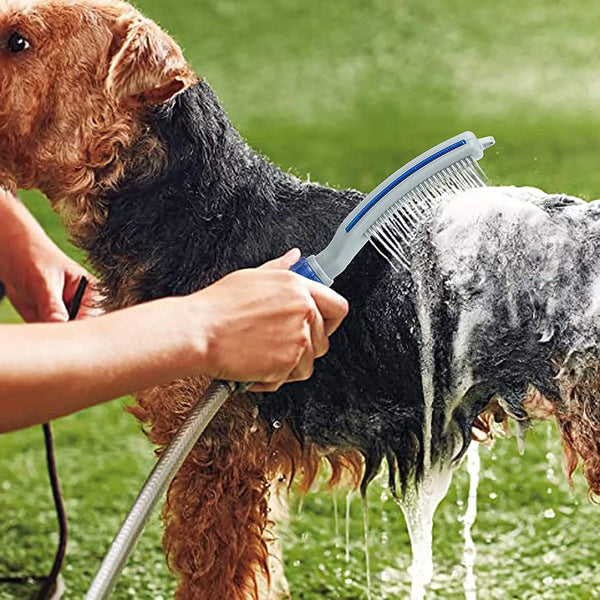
(51, 306)
(330, 304)
(299, 369)
(26, 309)
(320, 341)
(267, 387)
(283, 262)
(304, 368)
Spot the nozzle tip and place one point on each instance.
(488, 141)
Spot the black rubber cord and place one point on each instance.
(49, 581)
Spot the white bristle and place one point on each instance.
(392, 233)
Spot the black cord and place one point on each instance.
(49, 581)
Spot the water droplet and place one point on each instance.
(493, 495)
(549, 514)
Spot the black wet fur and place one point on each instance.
(220, 206)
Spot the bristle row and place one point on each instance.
(392, 233)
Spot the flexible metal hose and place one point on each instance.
(161, 476)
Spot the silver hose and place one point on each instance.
(161, 476)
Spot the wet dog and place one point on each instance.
(497, 316)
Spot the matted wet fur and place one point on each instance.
(165, 196)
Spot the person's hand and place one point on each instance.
(40, 280)
(266, 325)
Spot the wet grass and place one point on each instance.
(347, 93)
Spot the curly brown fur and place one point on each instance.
(70, 126)
(578, 417)
(217, 519)
(216, 510)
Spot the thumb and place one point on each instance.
(54, 311)
(283, 262)
(52, 308)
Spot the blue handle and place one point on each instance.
(303, 268)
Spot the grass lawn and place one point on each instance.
(347, 92)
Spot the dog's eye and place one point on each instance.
(16, 43)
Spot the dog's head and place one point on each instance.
(75, 80)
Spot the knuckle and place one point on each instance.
(290, 361)
(324, 348)
(345, 307)
(309, 371)
(306, 372)
(305, 342)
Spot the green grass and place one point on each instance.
(347, 92)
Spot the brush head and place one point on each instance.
(391, 234)
(391, 214)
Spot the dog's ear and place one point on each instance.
(146, 65)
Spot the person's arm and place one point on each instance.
(265, 325)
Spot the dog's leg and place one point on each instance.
(216, 512)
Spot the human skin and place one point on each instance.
(40, 279)
(265, 325)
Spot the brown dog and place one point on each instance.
(77, 80)
(102, 113)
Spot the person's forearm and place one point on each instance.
(51, 370)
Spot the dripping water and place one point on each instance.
(336, 519)
(419, 505)
(392, 235)
(348, 501)
(423, 497)
(520, 431)
(468, 519)
(551, 458)
(365, 510)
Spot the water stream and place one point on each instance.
(468, 519)
(348, 502)
(365, 510)
(419, 505)
(336, 518)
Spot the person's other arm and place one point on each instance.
(40, 280)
